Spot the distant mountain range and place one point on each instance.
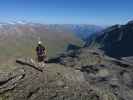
(81, 30)
(116, 40)
(20, 38)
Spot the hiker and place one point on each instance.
(41, 52)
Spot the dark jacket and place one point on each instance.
(40, 50)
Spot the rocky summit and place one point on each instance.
(83, 74)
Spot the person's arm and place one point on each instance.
(36, 49)
(44, 50)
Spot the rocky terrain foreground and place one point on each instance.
(77, 75)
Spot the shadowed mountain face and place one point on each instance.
(116, 41)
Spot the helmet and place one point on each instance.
(39, 42)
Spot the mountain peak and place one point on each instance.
(130, 22)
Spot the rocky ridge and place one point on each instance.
(78, 75)
(115, 41)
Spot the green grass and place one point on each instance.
(9, 52)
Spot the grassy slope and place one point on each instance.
(22, 42)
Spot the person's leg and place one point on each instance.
(45, 59)
(39, 58)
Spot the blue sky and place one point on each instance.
(100, 12)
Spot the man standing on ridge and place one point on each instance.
(41, 52)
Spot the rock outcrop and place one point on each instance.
(78, 75)
(107, 75)
(33, 81)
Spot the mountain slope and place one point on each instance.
(19, 39)
(115, 41)
(80, 30)
(84, 31)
